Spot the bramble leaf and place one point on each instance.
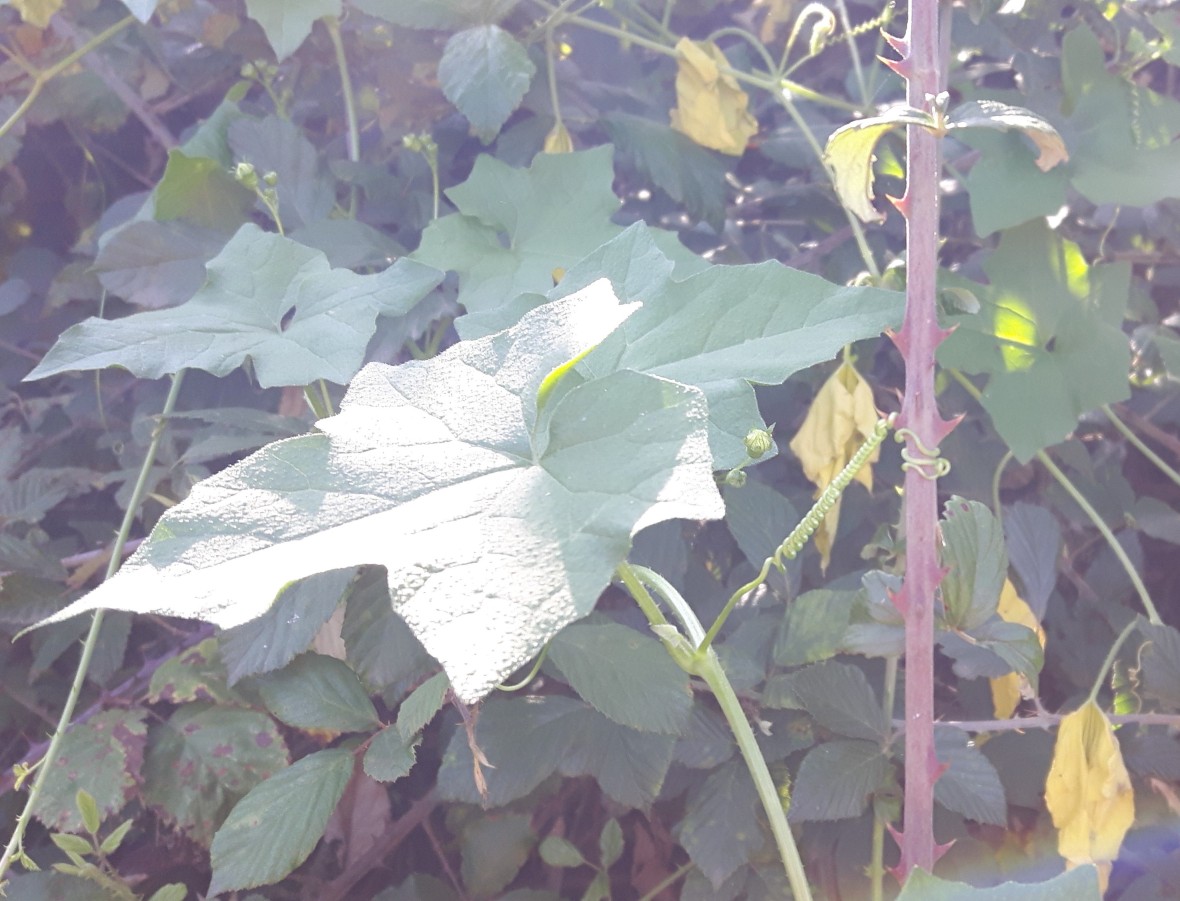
(624, 674)
(102, 755)
(276, 826)
(485, 72)
(836, 779)
(721, 829)
(973, 551)
(315, 691)
(203, 759)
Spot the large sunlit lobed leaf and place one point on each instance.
(494, 536)
(266, 299)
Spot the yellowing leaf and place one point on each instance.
(1007, 689)
(710, 107)
(558, 140)
(1088, 791)
(841, 417)
(37, 12)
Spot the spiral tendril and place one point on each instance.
(929, 465)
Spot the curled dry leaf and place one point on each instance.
(1088, 791)
(710, 107)
(841, 418)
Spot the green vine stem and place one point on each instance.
(799, 536)
(43, 77)
(1133, 574)
(1108, 663)
(670, 880)
(1072, 490)
(765, 83)
(702, 661)
(354, 136)
(15, 847)
(997, 506)
(877, 852)
(1138, 444)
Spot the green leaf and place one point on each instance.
(610, 843)
(389, 756)
(973, 552)
(727, 326)
(1120, 156)
(287, 23)
(379, 645)
(202, 191)
(73, 845)
(559, 852)
(1078, 884)
(87, 808)
(1161, 662)
(141, 9)
(196, 674)
(721, 830)
(1005, 186)
(1155, 518)
(485, 72)
(274, 144)
(624, 674)
(528, 739)
(849, 157)
(970, 785)
(814, 627)
(286, 630)
(173, 891)
(516, 228)
(420, 707)
(836, 779)
(1049, 330)
(114, 839)
(203, 759)
(690, 174)
(276, 826)
(759, 518)
(318, 692)
(492, 851)
(103, 756)
(995, 116)
(993, 649)
(157, 264)
(494, 536)
(255, 283)
(840, 698)
(1033, 540)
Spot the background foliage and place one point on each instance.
(212, 188)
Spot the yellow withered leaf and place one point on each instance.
(559, 139)
(710, 107)
(1088, 791)
(1007, 689)
(37, 12)
(841, 417)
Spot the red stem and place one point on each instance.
(918, 340)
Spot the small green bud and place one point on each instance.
(271, 179)
(249, 70)
(246, 175)
(758, 442)
(735, 478)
